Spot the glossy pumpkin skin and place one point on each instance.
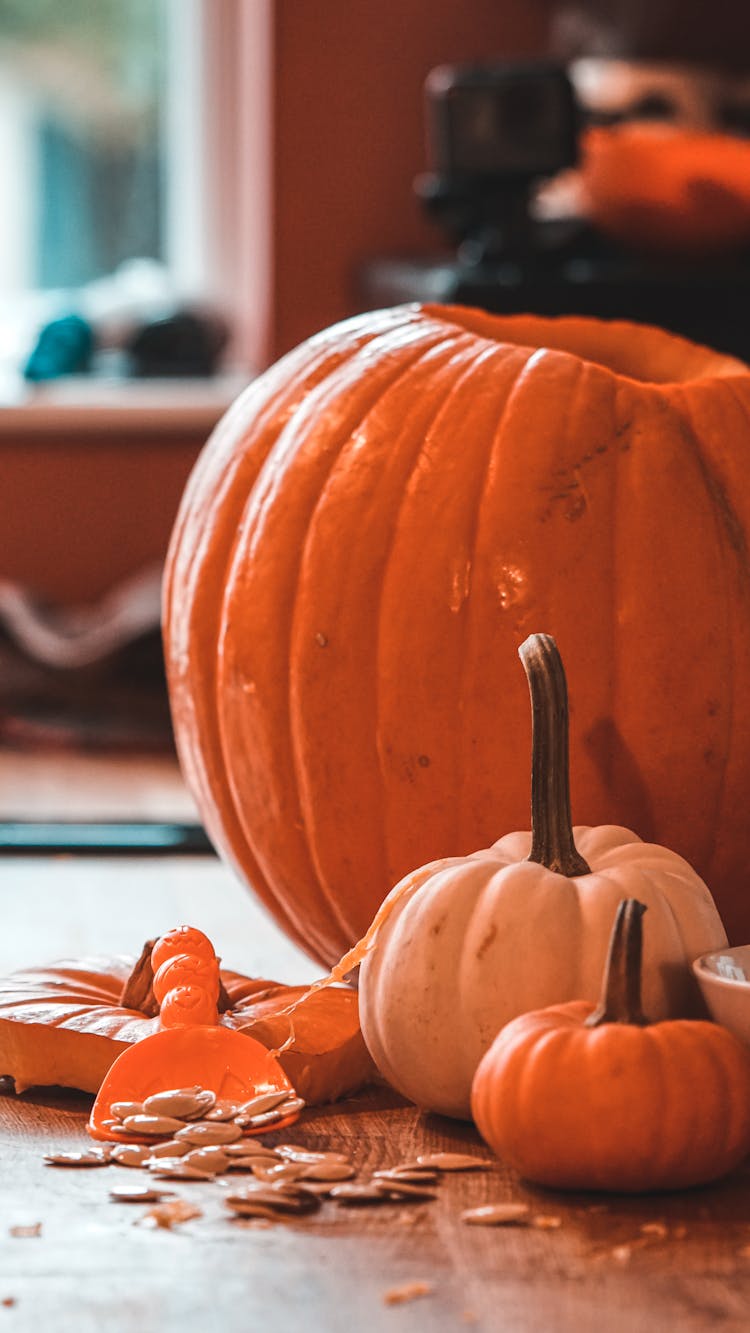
(616, 1107)
(473, 942)
(370, 533)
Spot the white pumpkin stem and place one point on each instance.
(621, 991)
(552, 843)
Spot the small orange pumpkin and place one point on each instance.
(578, 1097)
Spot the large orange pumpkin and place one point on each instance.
(371, 532)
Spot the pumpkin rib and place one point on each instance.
(249, 735)
(472, 668)
(736, 558)
(674, 1105)
(648, 703)
(327, 889)
(222, 478)
(720, 437)
(739, 1127)
(519, 596)
(318, 373)
(219, 475)
(345, 606)
(411, 751)
(585, 337)
(727, 525)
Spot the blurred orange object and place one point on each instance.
(661, 188)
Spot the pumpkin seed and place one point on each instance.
(275, 1171)
(88, 1157)
(292, 1105)
(205, 1101)
(223, 1110)
(179, 1102)
(403, 1189)
(250, 1148)
(281, 1201)
(121, 1109)
(248, 1208)
(266, 1118)
(249, 1164)
(174, 1168)
(131, 1154)
(138, 1194)
(160, 1126)
(497, 1215)
(169, 1148)
(453, 1161)
(265, 1101)
(202, 1133)
(360, 1193)
(412, 1175)
(294, 1154)
(210, 1159)
(322, 1188)
(327, 1171)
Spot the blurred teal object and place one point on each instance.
(64, 347)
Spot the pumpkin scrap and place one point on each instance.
(64, 1025)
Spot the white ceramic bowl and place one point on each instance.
(724, 979)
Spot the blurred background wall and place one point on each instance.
(309, 172)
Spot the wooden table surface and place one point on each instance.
(583, 1263)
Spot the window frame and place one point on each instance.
(205, 187)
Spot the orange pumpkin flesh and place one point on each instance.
(65, 1025)
(374, 528)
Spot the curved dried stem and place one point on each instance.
(552, 843)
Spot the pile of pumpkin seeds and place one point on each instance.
(194, 1136)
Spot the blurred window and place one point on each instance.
(102, 117)
(81, 139)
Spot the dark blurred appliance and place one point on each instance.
(505, 145)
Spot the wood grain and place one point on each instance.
(630, 1265)
(625, 1265)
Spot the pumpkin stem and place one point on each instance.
(138, 991)
(552, 843)
(621, 991)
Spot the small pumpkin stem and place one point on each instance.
(552, 843)
(223, 1003)
(138, 991)
(620, 1000)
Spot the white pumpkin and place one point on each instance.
(465, 944)
(468, 943)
